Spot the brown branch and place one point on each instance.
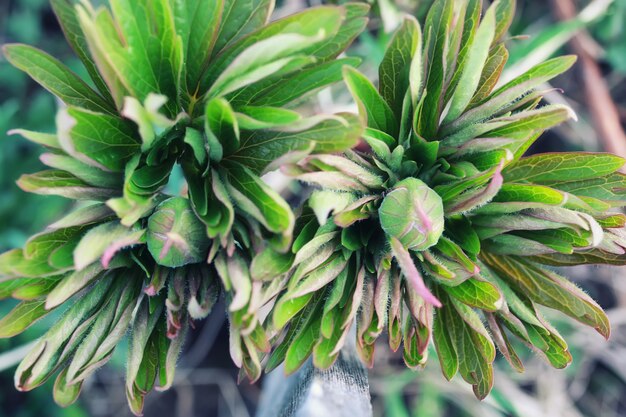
(604, 113)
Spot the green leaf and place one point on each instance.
(141, 351)
(523, 124)
(104, 141)
(477, 293)
(328, 180)
(44, 244)
(87, 18)
(532, 120)
(240, 17)
(89, 174)
(476, 197)
(318, 278)
(252, 117)
(372, 107)
(512, 91)
(461, 40)
(141, 46)
(262, 59)
(550, 289)
(559, 167)
(62, 338)
(474, 348)
(22, 317)
(287, 308)
(329, 134)
(303, 342)
(325, 351)
(492, 70)
(593, 256)
(269, 264)
(438, 24)
(325, 202)
(151, 123)
(278, 354)
(14, 264)
(197, 23)
(56, 182)
(505, 12)
(28, 289)
(551, 344)
(317, 246)
(611, 188)
(473, 65)
(350, 168)
(380, 143)
(102, 242)
(355, 18)
(46, 139)
(65, 394)
(169, 351)
(210, 202)
(257, 199)
(67, 16)
(442, 337)
(282, 89)
(528, 193)
(198, 145)
(108, 328)
(56, 78)
(501, 340)
(465, 183)
(175, 236)
(454, 252)
(72, 283)
(221, 128)
(394, 69)
(326, 19)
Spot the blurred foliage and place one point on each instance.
(24, 104)
(610, 31)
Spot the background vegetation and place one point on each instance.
(595, 384)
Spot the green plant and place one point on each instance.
(443, 213)
(204, 85)
(440, 211)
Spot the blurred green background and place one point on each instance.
(595, 384)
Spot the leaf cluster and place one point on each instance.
(441, 231)
(446, 232)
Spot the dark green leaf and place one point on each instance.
(372, 107)
(56, 78)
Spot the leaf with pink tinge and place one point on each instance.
(476, 198)
(403, 257)
(104, 241)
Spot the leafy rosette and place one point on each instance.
(442, 230)
(205, 85)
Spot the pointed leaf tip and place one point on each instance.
(403, 257)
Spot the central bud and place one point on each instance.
(412, 213)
